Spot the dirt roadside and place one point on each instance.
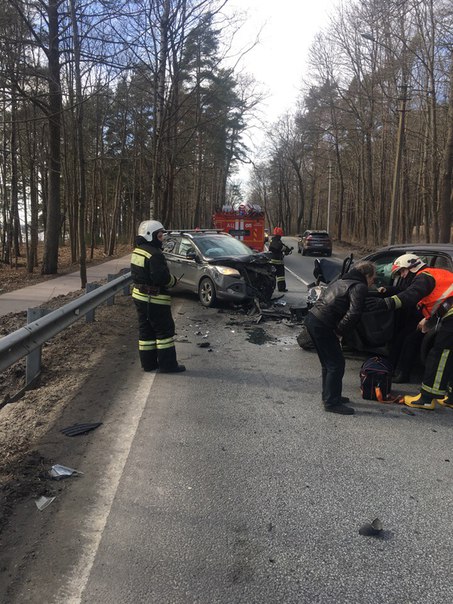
(68, 361)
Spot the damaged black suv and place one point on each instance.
(216, 266)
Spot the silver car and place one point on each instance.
(216, 266)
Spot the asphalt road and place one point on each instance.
(230, 484)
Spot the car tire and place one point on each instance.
(206, 292)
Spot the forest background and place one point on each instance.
(114, 111)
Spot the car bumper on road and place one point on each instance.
(233, 291)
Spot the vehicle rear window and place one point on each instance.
(320, 235)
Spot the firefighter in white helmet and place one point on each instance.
(152, 279)
(431, 291)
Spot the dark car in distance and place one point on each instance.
(314, 242)
(216, 266)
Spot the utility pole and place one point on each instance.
(394, 203)
(395, 199)
(329, 196)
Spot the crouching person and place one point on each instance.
(152, 279)
(337, 312)
(431, 290)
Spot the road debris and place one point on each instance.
(57, 472)
(372, 530)
(77, 429)
(43, 502)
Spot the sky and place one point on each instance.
(279, 60)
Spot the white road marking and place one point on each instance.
(96, 518)
(296, 276)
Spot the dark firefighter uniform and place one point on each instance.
(278, 251)
(156, 326)
(432, 292)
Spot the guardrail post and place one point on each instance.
(126, 288)
(89, 288)
(33, 361)
(111, 301)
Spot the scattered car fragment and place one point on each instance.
(57, 472)
(77, 429)
(43, 502)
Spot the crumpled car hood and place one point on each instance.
(250, 259)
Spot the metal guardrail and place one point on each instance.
(27, 341)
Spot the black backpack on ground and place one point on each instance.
(304, 339)
(376, 378)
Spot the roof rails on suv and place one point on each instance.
(193, 231)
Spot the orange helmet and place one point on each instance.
(278, 231)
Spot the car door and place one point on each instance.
(170, 248)
(188, 268)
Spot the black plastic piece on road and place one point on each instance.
(80, 429)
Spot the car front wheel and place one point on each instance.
(206, 292)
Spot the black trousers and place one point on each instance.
(156, 330)
(438, 376)
(405, 347)
(331, 356)
(280, 274)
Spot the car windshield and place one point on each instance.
(215, 246)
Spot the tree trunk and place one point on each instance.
(446, 176)
(50, 259)
(80, 146)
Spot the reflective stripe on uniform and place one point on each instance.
(276, 261)
(166, 343)
(397, 301)
(435, 388)
(147, 345)
(172, 281)
(280, 279)
(160, 299)
(139, 256)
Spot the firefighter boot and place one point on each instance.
(420, 401)
(148, 360)
(168, 362)
(447, 401)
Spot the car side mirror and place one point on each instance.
(193, 256)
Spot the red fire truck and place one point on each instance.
(245, 223)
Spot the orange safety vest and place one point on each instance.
(441, 292)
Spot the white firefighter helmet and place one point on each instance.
(409, 261)
(148, 227)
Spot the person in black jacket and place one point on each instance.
(278, 251)
(151, 278)
(337, 312)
